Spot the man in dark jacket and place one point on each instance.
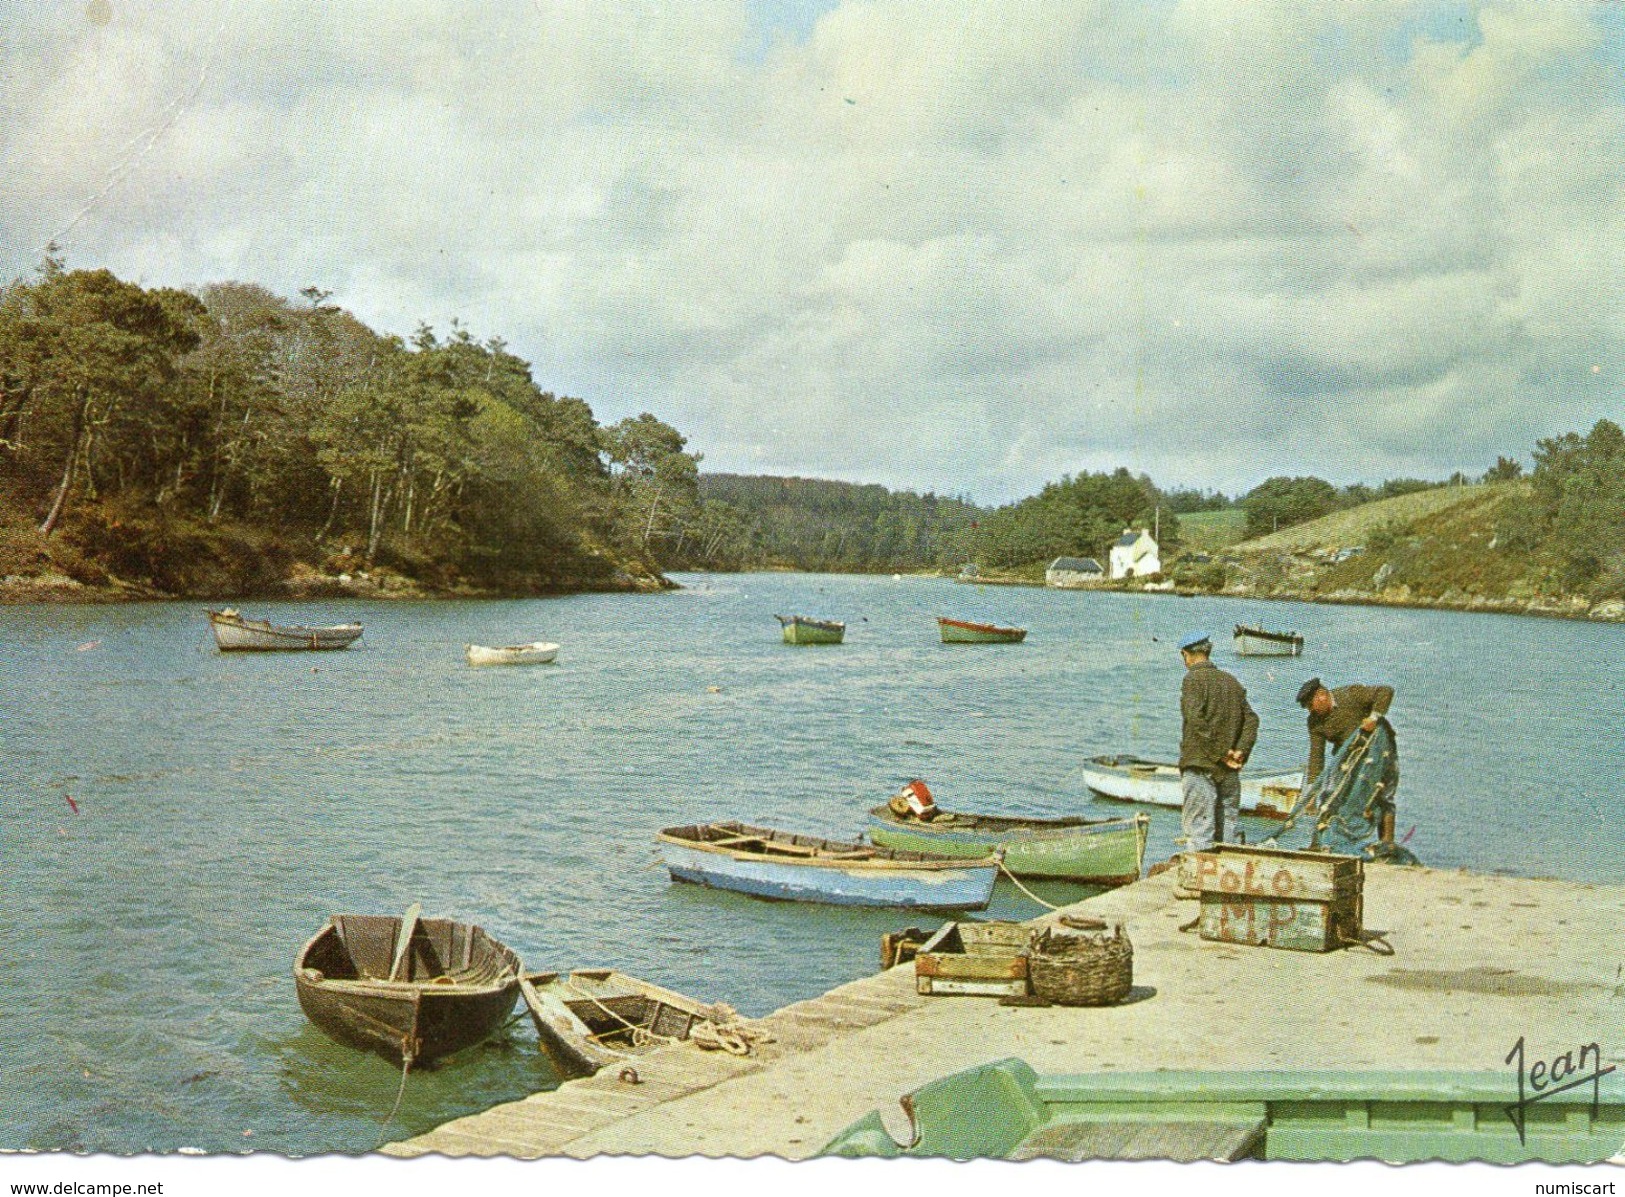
(1334, 716)
(1218, 734)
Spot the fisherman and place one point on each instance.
(1334, 715)
(1216, 739)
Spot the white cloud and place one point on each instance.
(951, 246)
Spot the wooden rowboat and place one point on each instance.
(804, 868)
(960, 631)
(596, 1016)
(799, 629)
(233, 633)
(1131, 779)
(1256, 642)
(538, 653)
(1089, 851)
(413, 996)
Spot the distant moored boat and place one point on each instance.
(800, 629)
(536, 653)
(233, 633)
(960, 631)
(1256, 642)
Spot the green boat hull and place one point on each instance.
(1106, 853)
(1007, 1111)
(798, 630)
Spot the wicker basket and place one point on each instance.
(1081, 970)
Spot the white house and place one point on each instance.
(1068, 572)
(1134, 555)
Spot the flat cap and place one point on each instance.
(1195, 640)
(1308, 690)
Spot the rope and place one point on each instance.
(406, 1067)
(1023, 888)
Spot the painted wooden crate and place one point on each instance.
(982, 959)
(1304, 901)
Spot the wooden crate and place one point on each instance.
(1304, 901)
(982, 959)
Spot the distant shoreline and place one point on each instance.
(60, 589)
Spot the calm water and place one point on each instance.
(229, 804)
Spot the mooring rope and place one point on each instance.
(406, 1067)
(1023, 888)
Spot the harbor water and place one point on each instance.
(175, 822)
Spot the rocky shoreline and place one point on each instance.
(365, 585)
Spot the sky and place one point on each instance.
(967, 247)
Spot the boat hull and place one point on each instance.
(585, 1019)
(958, 631)
(1157, 783)
(1256, 642)
(929, 884)
(235, 634)
(1108, 852)
(799, 630)
(338, 983)
(517, 654)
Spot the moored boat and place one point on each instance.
(769, 863)
(596, 1016)
(1256, 642)
(233, 633)
(411, 989)
(539, 652)
(801, 629)
(961, 631)
(1131, 779)
(1090, 851)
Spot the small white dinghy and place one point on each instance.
(536, 653)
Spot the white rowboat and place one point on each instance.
(233, 633)
(537, 653)
(1130, 779)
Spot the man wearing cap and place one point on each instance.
(1217, 737)
(1333, 717)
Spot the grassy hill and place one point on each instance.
(1210, 531)
(1343, 529)
(1436, 548)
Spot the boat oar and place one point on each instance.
(409, 924)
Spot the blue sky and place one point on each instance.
(967, 248)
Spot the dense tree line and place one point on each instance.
(122, 406)
(755, 521)
(1077, 516)
(1575, 514)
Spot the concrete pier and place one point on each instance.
(1478, 962)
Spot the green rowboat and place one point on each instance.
(1007, 1111)
(799, 629)
(1090, 851)
(960, 631)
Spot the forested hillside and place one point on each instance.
(230, 441)
(755, 522)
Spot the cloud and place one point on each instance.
(966, 248)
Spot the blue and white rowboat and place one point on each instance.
(805, 868)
